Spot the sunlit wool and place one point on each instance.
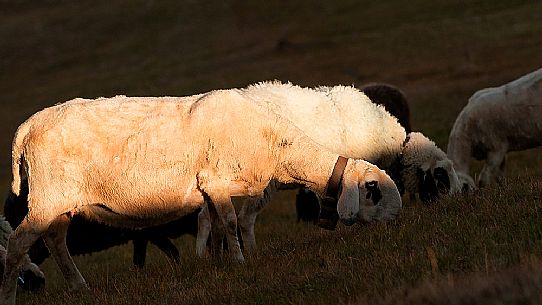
(136, 162)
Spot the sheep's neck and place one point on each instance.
(459, 151)
(307, 164)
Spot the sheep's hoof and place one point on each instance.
(78, 286)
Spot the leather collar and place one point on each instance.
(329, 217)
(334, 182)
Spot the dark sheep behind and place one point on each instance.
(307, 206)
(86, 237)
(395, 102)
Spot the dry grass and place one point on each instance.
(457, 251)
(467, 250)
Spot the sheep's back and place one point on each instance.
(341, 119)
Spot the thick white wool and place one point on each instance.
(341, 119)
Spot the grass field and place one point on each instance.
(484, 248)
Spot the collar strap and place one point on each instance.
(397, 167)
(334, 182)
(329, 217)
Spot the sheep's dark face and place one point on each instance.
(368, 194)
(437, 180)
(307, 206)
(31, 279)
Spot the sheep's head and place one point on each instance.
(427, 169)
(31, 278)
(368, 194)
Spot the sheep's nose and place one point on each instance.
(349, 222)
(30, 281)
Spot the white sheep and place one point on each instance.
(494, 122)
(30, 276)
(343, 120)
(137, 162)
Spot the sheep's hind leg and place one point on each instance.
(55, 238)
(18, 244)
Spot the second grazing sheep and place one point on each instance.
(494, 122)
(392, 99)
(138, 162)
(344, 121)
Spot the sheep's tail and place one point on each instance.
(17, 156)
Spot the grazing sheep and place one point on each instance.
(494, 122)
(86, 237)
(138, 162)
(344, 121)
(395, 102)
(30, 276)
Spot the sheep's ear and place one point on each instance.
(427, 187)
(348, 202)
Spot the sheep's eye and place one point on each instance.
(373, 191)
(371, 184)
(442, 179)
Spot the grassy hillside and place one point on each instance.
(438, 52)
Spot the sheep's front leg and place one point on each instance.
(55, 239)
(226, 213)
(140, 252)
(166, 246)
(494, 167)
(210, 231)
(218, 192)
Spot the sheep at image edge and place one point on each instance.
(30, 277)
(138, 162)
(494, 122)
